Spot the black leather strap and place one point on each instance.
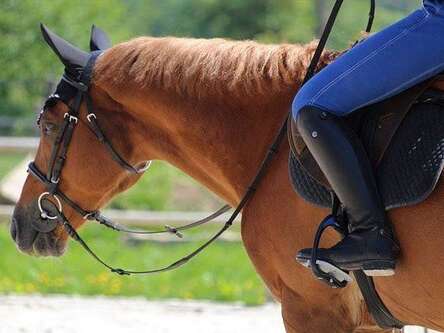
(371, 16)
(376, 307)
(98, 217)
(321, 45)
(100, 135)
(55, 149)
(74, 235)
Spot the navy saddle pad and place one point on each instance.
(411, 165)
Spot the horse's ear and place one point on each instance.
(72, 57)
(99, 39)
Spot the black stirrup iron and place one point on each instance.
(325, 271)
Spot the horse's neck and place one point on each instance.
(221, 145)
(218, 142)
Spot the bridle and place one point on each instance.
(66, 90)
(77, 90)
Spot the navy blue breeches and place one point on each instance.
(384, 64)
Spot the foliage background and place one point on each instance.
(29, 70)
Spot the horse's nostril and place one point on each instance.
(13, 229)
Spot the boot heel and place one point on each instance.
(379, 268)
(380, 272)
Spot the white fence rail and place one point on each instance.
(18, 145)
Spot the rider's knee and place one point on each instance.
(308, 117)
(300, 101)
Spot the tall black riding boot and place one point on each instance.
(370, 245)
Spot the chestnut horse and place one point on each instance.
(212, 108)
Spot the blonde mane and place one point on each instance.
(207, 67)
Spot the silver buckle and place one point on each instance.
(88, 215)
(145, 167)
(55, 181)
(91, 115)
(71, 117)
(44, 214)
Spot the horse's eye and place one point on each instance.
(48, 128)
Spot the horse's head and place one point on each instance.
(79, 163)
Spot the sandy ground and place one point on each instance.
(65, 314)
(61, 314)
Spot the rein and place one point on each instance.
(52, 213)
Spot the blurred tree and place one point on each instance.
(322, 12)
(353, 18)
(200, 18)
(266, 20)
(28, 65)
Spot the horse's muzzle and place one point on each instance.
(31, 240)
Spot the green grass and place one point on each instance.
(162, 187)
(8, 161)
(221, 273)
(151, 192)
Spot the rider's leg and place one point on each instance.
(342, 158)
(384, 64)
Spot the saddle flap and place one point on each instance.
(389, 114)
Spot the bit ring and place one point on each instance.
(43, 213)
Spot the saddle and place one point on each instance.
(404, 139)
